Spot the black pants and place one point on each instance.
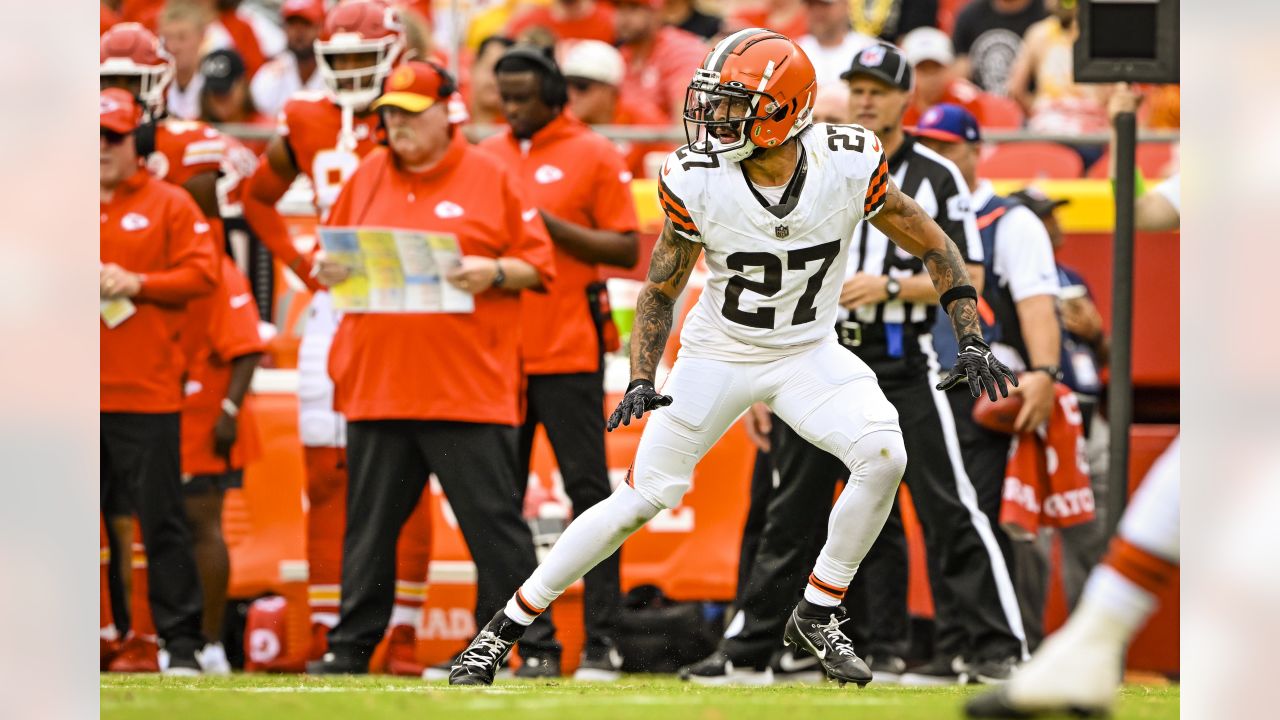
(389, 462)
(962, 571)
(986, 456)
(571, 408)
(141, 473)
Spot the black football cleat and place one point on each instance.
(480, 661)
(824, 639)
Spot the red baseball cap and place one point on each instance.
(118, 111)
(312, 10)
(413, 86)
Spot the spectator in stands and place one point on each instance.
(433, 393)
(224, 94)
(579, 184)
(686, 15)
(988, 35)
(889, 20)
(593, 71)
(660, 59)
(252, 34)
(1021, 289)
(294, 69)
(107, 16)
(182, 30)
(156, 254)
(830, 42)
(146, 12)
(218, 436)
(1043, 83)
(568, 20)
(785, 16)
(929, 52)
(832, 104)
(483, 100)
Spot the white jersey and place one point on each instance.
(774, 272)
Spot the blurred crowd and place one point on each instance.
(362, 99)
(628, 61)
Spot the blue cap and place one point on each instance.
(949, 123)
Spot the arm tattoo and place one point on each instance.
(911, 229)
(649, 336)
(669, 267)
(947, 270)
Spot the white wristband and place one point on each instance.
(230, 408)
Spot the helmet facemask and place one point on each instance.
(720, 118)
(147, 82)
(356, 88)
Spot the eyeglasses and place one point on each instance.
(111, 137)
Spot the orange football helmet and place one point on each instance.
(359, 27)
(130, 56)
(755, 90)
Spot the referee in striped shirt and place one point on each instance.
(890, 304)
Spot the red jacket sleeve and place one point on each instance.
(236, 332)
(192, 257)
(529, 239)
(613, 207)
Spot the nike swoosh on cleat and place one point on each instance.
(789, 663)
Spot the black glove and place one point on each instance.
(976, 364)
(641, 397)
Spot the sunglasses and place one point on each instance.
(111, 137)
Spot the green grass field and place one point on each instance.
(268, 697)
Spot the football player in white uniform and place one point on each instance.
(772, 200)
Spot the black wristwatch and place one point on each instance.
(1053, 371)
(892, 287)
(498, 277)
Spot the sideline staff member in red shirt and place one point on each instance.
(432, 393)
(580, 183)
(156, 254)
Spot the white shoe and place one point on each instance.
(213, 659)
(1077, 669)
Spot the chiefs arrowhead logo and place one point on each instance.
(134, 221)
(447, 210)
(548, 174)
(401, 78)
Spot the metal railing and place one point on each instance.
(633, 133)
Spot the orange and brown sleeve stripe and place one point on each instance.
(527, 606)
(877, 188)
(1143, 569)
(675, 210)
(826, 587)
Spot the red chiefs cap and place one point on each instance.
(312, 10)
(414, 86)
(118, 111)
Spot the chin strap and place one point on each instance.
(347, 135)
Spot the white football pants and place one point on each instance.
(828, 395)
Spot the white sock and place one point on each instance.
(403, 615)
(875, 463)
(1126, 605)
(590, 538)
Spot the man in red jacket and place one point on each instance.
(580, 184)
(156, 254)
(427, 393)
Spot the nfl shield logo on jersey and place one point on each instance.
(781, 231)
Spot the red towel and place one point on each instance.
(1047, 481)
